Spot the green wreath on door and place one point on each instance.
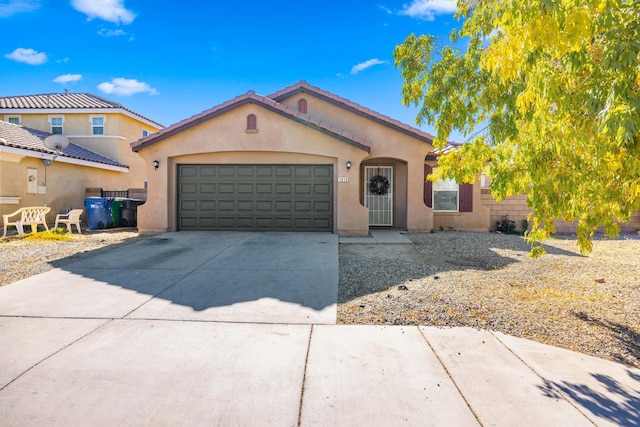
(379, 185)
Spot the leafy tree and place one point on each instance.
(549, 92)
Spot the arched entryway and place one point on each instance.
(384, 192)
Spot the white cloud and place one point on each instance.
(28, 56)
(68, 78)
(111, 33)
(11, 7)
(366, 64)
(108, 10)
(126, 87)
(385, 9)
(428, 9)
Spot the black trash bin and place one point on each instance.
(98, 212)
(129, 214)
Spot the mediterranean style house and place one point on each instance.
(301, 159)
(99, 155)
(304, 159)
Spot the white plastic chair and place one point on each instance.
(72, 217)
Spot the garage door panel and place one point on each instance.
(283, 188)
(187, 189)
(302, 188)
(245, 188)
(226, 188)
(245, 205)
(255, 197)
(189, 171)
(207, 188)
(284, 171)
(206, 171)
(283, 206)
(208, 205)
(264, 188)
(303, 172)
(322, 189)
(324, 207)
(226, 205)
(189, 205)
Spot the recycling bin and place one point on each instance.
(98, 212)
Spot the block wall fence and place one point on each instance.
(516, 209)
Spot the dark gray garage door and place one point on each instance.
(255, 197)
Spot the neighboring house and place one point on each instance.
(301, 159)
(28, 177)
(97, 124)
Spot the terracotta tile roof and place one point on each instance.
(303, 86)
(17, 136)
(63, 101)
(435, 153)
(252, 98)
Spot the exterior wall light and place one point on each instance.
(156, 164)
(348, 165)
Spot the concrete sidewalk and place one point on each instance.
(168, 332)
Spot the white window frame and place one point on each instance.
(61, 126)
(145, 133)
(94, 126)
(7, 118)
(448, 185)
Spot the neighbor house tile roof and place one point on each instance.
(252, 98)
(70, 101)
(17, 136)
(302, 86)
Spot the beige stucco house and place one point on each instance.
(32, 174)
(100, 128)
(301, 159)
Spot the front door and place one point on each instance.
(378, 195)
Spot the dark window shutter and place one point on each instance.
(302, 106)
(428, 193)
(466, 197)
(252, 122)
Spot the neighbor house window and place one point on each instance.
(145, 133)
(445, 196)
(97, 125)
(14, 120)
(56, 125)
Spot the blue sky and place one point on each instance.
(171, 60)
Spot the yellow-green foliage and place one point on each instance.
(549, 92)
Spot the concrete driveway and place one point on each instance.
(224, 276)
(236, 329)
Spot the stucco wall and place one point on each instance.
(388, 145)
(224, 139)
(64, 184)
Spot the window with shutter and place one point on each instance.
(428, 199)
(466, 197)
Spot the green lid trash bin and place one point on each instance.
(116, 209)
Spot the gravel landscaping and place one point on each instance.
(590, 304)
(23, 258)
